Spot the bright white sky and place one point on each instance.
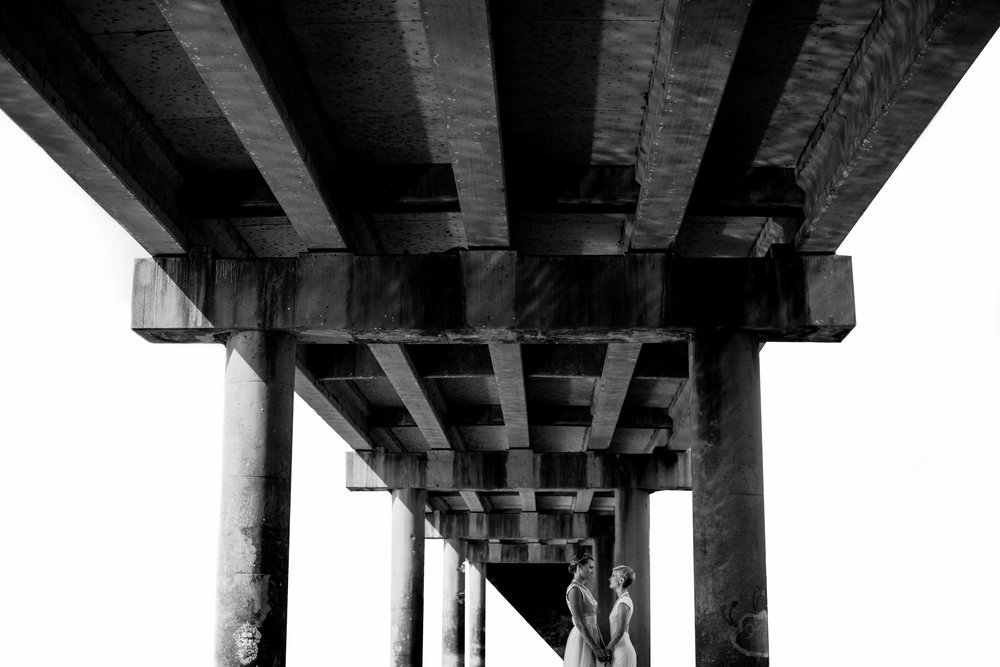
(881, 453)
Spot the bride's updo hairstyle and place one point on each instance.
(580, 558)
(625, 573)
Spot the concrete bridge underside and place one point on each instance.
(519, 339)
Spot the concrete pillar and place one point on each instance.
(730, 580)
(252, 583)
(632, 549)
(406, 641)
(475, 603)
(453, 605)
(604, 559)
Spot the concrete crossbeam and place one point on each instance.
(529, 553)
(490, 296)
(517, 469)
(519, 526)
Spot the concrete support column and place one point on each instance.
(406, 641)
(252, 583)
(475, 603)
(632, 549)
(453, 605)
(730, 580)
(604, 559)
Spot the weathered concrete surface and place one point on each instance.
(406, 588)
(475, 602)
(632, 549)
(522, 526)
(487, 296)
(728, 501)
(252, 594)
(517, 469)
(453, 604)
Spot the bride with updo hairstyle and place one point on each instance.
(584, 646)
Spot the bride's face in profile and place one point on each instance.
(614, 581)
(585, 570)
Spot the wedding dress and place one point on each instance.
(623, 654)
(578, 654)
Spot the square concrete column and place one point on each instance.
(453, 605)
(730, 579)
(252, 583)
(475, 604)
(632, 549)
(406, 643)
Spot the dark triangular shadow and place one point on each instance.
(538, 593)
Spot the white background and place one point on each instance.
(881, 453)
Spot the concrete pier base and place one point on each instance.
(632, 549)
(406, 640)
(475, 603)
(453, 604)
(728, 501)
(252, 584)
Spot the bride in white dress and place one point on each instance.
(584, 647)
(619, 645)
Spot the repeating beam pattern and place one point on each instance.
(533, 553)
(506, 362)
(541, 415)
(609, 393)
(522, 526)
(427, 414)
(410, 299)
(458, 32)
(245, 58)
(697, 44)
(60, 90)
(907, 64)
(355, 362)
(518, 469)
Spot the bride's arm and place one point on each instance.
(616, 633)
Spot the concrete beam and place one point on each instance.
(243, 52)
(519, 526)
(495, 296)
(426, 412)
(530, 553)
(509, 370)
(609, 393)
(57, 86)
(694, 54)
(517, 469)
(541, 415)
(333, 362)
(340, 407)
(458, 34)
(910, 59)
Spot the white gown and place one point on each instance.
(623, 654)
(577, 653)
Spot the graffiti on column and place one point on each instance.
(247, 636)
(748, 632)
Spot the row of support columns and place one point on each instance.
(729, 555)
